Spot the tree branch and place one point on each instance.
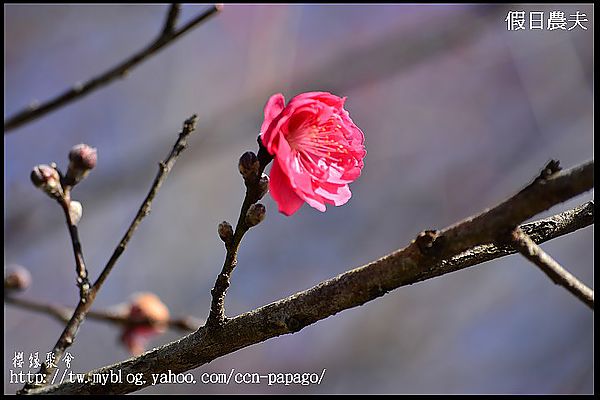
(168, 35)
(63, 314)
(82, 274)
(420, 260)
(253, 193)
(540, 231)
(550, 188)
(171, 20)
(560, 276)
(83, 307)
(165, 167)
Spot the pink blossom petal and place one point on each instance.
(336, 195)
(351, 174)
(314, 203)
(273, 108)
(282, 192)
(299, 177)
(324, 97)
(271, 135)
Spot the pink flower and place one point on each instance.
(317, 150)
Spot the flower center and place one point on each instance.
(319, 147)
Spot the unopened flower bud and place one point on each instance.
(263, 186)
(75, 211)
(82, 159)
(225, 231)
(249, 165)
(256, 214)
(18, 278)
(47, 179)
(83, 156)
(147, 308)
(148, 316)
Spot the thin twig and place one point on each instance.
(560, 276)
(83, 307)
(171, 19)
(63, 314)
(217, 309)
(164, 168)
(82, 274)
(78, 90)
(289, 315)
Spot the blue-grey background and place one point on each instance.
(458, 114)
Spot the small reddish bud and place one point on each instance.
(47, 179)
(148, 317)
(17, 278)
(225, 231)
(83, 156)
(256, 214)
(82, 159)
(249, 165)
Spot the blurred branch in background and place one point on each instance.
(167, 36)
(118, 316)
(431, 254)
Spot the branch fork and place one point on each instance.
(88, 293)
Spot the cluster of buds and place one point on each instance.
(147, 317)
(257, 183)
(249, 166)
(17, 278)
(82, 159)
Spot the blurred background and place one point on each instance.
(458, 113)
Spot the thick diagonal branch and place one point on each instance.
(83, 307)
(545, 191)
(414, 263)
(560, 276)
(167, 36)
